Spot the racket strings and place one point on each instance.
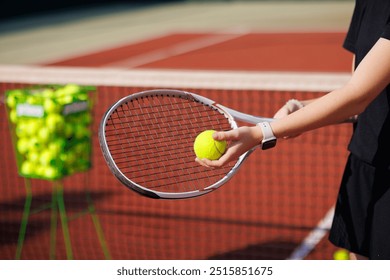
(191, 176)
(151, 141)
(193, 118)
(178, 164)
(169, 166)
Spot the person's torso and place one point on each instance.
(371, 138)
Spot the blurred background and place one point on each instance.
(249, 55)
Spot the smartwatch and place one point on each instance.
(269, 139)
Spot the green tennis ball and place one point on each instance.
(23, 145)
(47, 157)
(34, 100)
(65, 99)
(82, 149)
(82, 96)
(33, 126)
(50, 106)
(86, 118)
(55, 122)
(44, 134)
(69, 158)
(51, 172)
(33, 156)
(206, 147)
(34, 144)
(48, 93)
(81, 131)
(21, 129)
(27, 168)
(341, 254)
(13, 116)
(68, 130)
(57, 146)
(11, 101)
(71, 89)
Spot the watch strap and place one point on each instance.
(269, 139)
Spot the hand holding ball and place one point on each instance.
(206, 147)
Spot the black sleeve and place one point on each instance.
(386, 33)
(353, 31)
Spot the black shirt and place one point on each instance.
(371, 138)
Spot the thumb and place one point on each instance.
(225, 135)
(281, 113)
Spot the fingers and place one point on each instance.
(211, 163)
(231, 135)
(240, 140)
(226, 135)
(205, 162)
(202, 162)
(290, 107)
(233, 153)
(283, 112)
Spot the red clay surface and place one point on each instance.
(320, 52)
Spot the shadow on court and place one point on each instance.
(39, 219)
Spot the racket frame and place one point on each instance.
(230, 114)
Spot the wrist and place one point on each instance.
(268, 138)
(257, 134)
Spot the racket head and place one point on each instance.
(147, 141)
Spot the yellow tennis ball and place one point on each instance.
(341, 254)
(206, 147)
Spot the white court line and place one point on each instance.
(174, 50)
(314, 237)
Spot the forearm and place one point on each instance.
(307, 101)
(332, 108)
(369, 79)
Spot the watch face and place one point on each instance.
(268, 144)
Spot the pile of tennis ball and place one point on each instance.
(51, 129)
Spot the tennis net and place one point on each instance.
(278, 206)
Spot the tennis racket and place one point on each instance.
(147, 141)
